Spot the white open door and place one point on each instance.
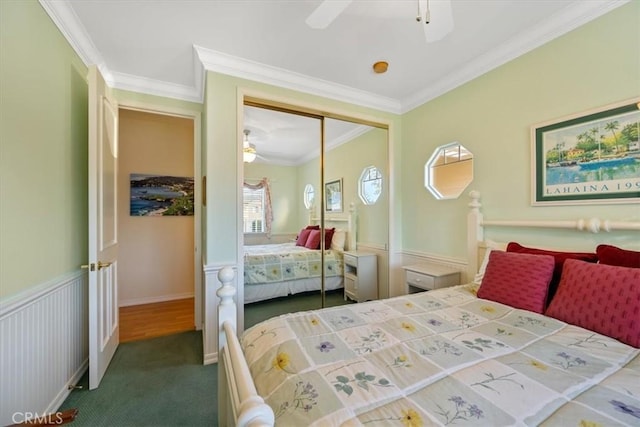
(103, 227)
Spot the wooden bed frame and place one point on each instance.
(238, 401)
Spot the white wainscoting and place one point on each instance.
(44, 346)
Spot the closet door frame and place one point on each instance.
(256, 98)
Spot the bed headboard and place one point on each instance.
(476, 243)
(343, 221)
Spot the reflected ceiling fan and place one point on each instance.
(435, 15)
(249, 152)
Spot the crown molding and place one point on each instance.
(238, 67)
(155, 87)
(72, 29)
(571, 17)
(63, 16)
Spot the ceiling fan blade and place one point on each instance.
(324, 14)
(440, 17)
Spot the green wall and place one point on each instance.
(43, 150)
(222, 167)
(43, 134)
(592, 66)
(347, 162)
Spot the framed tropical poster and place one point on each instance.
(589, 158)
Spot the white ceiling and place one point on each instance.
(288, 139)
(162, 47)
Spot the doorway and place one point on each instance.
(157, 176)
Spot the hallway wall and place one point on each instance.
(156, 252)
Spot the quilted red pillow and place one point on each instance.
(303, 236)
(328, 235)
(602, 298)
(518, 280)
(560, 258)
(313, 242)
(612, 255)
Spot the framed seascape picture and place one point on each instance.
(160, 195)
(589, 158)
(333, 196)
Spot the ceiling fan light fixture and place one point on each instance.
(380, 67)
(249, 153)
(438, 18)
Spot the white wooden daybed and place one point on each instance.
(444, 357)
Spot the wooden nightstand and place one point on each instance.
(360, 276)
(426, 277)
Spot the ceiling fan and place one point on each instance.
(435, 15)
(249, 152)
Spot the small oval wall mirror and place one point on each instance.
(449, 171)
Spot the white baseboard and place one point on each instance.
(151, 300)
(68, 388)
(210, 358)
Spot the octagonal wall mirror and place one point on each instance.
(449, 171)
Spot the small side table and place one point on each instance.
(426, 277)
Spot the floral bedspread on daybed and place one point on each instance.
(281, 262)
(442, 357)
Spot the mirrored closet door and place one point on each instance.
(312, 185)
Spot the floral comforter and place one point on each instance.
(443, 357)
(281, 262)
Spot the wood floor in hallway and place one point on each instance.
(138, 322)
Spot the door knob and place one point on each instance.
(102, 265)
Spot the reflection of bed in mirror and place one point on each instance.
(279, 270)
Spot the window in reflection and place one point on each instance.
(449, 171)
(370, 185)
(309, 196)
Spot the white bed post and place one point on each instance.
(227, 310)
(238, 401)
(474, 234)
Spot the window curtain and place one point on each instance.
(268, 213)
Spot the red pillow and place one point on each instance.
(328, 235)
(560, 258)
(518, 280)
(612, 255)
(312, 227)
(303, 236)
(313, 242)
(602, 298)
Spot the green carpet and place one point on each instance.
(155, 382)
(162, 382)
